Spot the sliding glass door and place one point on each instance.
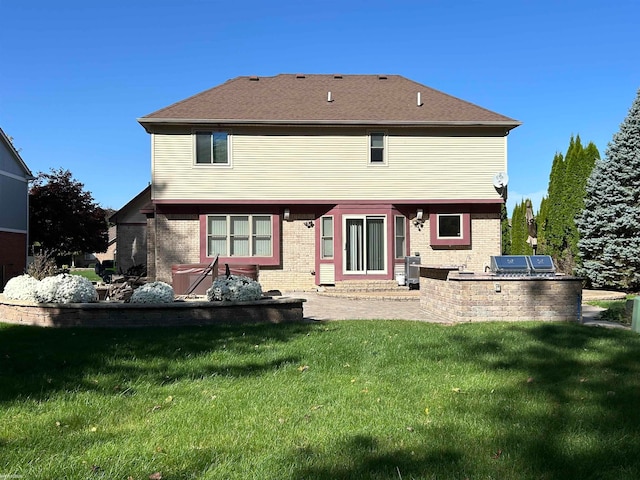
(365, 244)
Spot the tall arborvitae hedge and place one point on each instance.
(506, 230)
(557, 232)
(551, 220)
(543, 213)
(609, 224)
(520, 230)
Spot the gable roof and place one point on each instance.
(14, 153)
(326, 100)
(140, 201)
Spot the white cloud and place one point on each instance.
(515, 198)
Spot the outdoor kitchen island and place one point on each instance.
(453, 296)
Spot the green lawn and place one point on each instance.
(616, 310)
(341, 400)
(88, 273)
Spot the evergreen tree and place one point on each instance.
(541, 223)
(557, 232)
(579, 166)
(609, 225)
(519, 231)
(506, 230)
(553, 220)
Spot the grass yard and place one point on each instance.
(341, 400)
(618, 311)
(88, 273)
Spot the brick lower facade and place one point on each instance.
(13, 256)
(131, 246)
(176, 239)
(485, 242)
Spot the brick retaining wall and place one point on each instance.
(450, 296)
(117, 315)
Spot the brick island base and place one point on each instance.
(177, 314)
(450, 296)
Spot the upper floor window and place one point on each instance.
(212, 148)
(377, 143)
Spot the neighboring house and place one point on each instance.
(14, 214)
(131, 232)
(110, 254)
(324, 179)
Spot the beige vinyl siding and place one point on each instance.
(172, 163)
(331, 166)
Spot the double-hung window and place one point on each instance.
(326, 234)
(377, 150)
(239, 236)
(400, 237)
(212, 148)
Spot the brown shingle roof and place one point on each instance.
(303, 99)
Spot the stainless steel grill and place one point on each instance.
(523, 265)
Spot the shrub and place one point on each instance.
(42, 266)
(21, 288)
(234, 288)
(155, 292)
(65, 288)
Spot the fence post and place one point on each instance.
(635, 316)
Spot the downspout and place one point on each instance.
(155, 241)
(29, 179)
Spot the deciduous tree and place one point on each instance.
(63, 217)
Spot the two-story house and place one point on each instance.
(14, 216)
(324, 179)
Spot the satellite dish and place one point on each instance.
(500, 180)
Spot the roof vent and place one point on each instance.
(329, 97)
(254, 78)
(382, 77)
(300, 75)
(419, 100)
(337, 76)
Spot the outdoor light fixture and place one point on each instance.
(287, 214)
(418, 222)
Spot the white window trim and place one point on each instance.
(385, 245)
(385, 147)
(194, 147)
(461, 219)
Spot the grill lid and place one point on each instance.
(541, 264)
(510, 264)
(522, 265)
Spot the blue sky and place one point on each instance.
(75, 75)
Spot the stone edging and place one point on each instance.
(124, 315)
